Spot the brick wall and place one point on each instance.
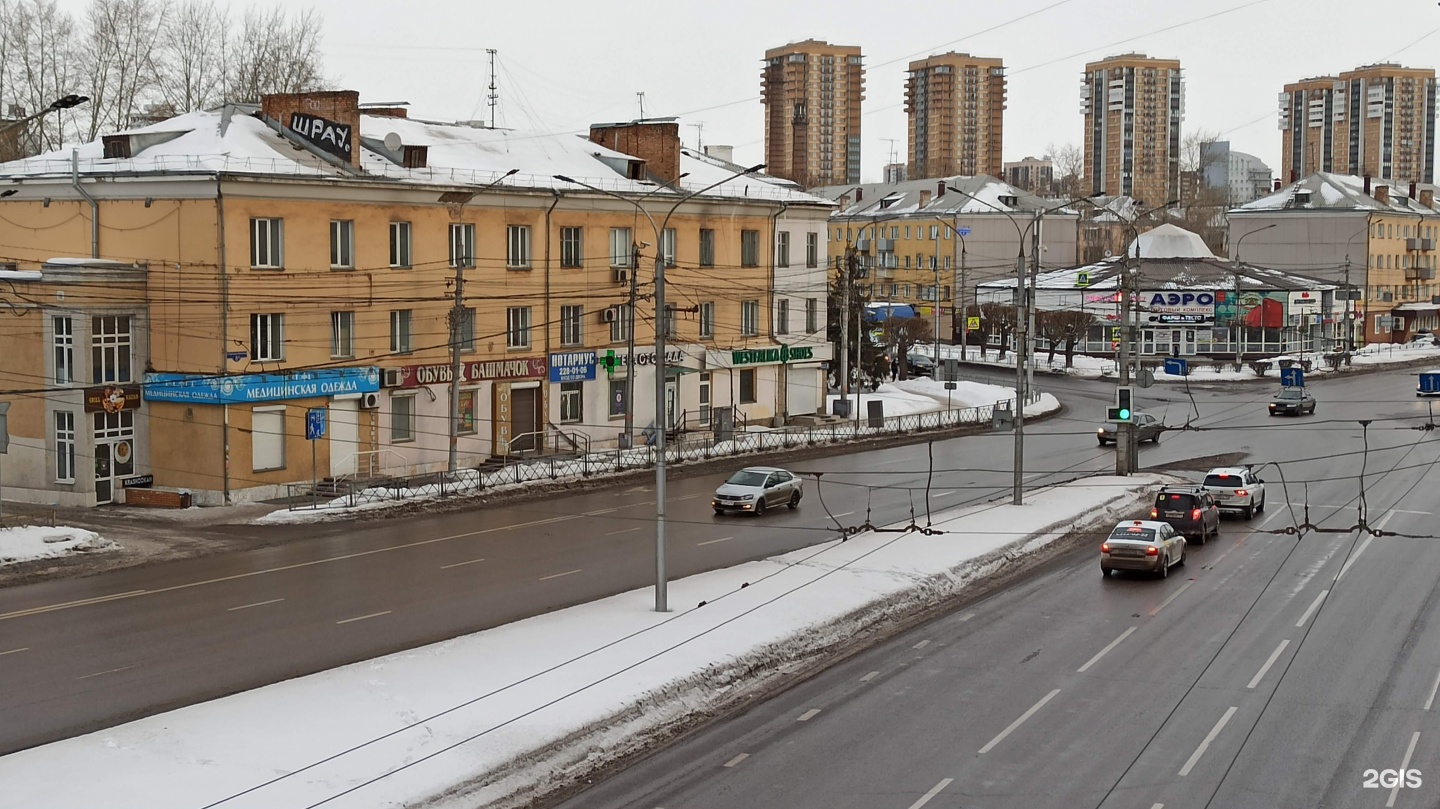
(658, 144)
(340, 106)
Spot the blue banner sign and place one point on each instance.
(246, 388)
(572, 366)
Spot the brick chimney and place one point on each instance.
(859, 194)
(1277, 183)
(329, 121)
(1427, 197)
(924, 197)
(844, 201)
(940, 189)
(1382, 194)
(655, 142)
(387, 112)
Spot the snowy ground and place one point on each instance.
(491, 716)
(924, 395)
(23, 543)
(1378, 354)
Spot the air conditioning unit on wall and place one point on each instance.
(609, 314)
(370, 401)
(622, 275)
(392, 377)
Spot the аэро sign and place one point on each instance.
(1180, 302)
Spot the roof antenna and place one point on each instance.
(494, 97)
(641, 94)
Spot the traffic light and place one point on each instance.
(1113, 414)
(1124, 397)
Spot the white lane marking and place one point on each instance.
(1313, 606)
(687, 497)
(924, 799)
(1018, 722)
(460, 564)
(256, 604)
(1209, 737)
(872, 675)
(27, 648)
(808, 715)
(558, 575)
(1113, 644)
(68, 604)
(1428, 702)
(846, 514)
(713, 541)
(732, 762)
(1158, 806)
(1036, 475)
(1275, 655)
(967, 616)
(1173, 596)
(922, 644)
(624, 531)
(946, 494)
(1404, 765)
(107, 671)
(892, 462)
(363, 617)
(1352, 505)
(598, 512)
(1354, 556)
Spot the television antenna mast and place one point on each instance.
(494, 97)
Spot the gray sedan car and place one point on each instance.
(757, 488)
(1147, 428)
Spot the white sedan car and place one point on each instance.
(757, 488)
(1145, 545)
(1236, 489)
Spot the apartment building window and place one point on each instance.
(707, 247)
(466, 332)
(750, 248)
(782, 249)
(462, 245)
(620, 247)
(572, 408)
(517, 329)
(812, 250)
(402, 418)
(782, 316)
(707, 319)
(812, 315)
(667, 246)
(342, 334)
(747, 386)
(572, 247)
(267, 243)
(749, 318)
(267, 338)
(63, 340)
(620, 326)
(110, 348)
(517, 249)
(342, 244)
(571, 333)
(400, 245)
(64, 446)
(400, 332)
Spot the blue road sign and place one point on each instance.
(1292, 377)
(315, 423)
(1175, 366)
(963, 231)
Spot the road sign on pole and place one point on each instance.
(315, 423)
(1175, 366)
(1292, 377)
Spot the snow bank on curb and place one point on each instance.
(26, 542)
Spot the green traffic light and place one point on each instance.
(1124, 414)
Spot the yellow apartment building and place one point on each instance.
(955, 103)
(263, 295)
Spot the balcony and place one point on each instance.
(1419, 273)
(1424, 245)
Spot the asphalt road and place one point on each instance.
(1274, 671)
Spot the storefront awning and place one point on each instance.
(678, 370)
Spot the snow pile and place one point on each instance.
(498, 717)
(28, 542)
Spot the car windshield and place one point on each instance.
(1290, 394)
(749, 477)
(1175, 501)
(1222, 481)
(1133, 532)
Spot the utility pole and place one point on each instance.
(935, 265)
(628, 439)
(458, 316)
(661, 422)
(494, 97)
(843, 278)
(1034, 280)
(641, 95)
(1122, 445)
(1021, 306)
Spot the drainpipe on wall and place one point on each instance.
(94, 206)
(782, 376)
(224, 330)
(549, 318)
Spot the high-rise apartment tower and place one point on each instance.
(812, 92)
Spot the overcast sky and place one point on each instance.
(563, 64)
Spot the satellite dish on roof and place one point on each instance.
(1108, 254)
(392, 142)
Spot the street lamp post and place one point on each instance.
(62, 103)
(1349, 291)
(1127, 451)
(1239, 328)
(661, 595)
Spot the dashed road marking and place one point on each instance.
(1018, 722)
(256, 604)
(732, 762)
(107, 671)
(363, 617)
(1209, 737)
(558, 575)
(1275, 655)
(932, 793)
(461, 564)
(1315, 605)
(1102, 652)
(808, 715)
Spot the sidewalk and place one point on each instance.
(502, 716)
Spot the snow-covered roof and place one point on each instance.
(1325, 191)
(1169, 273)
(233, 140)
(1170, 241)
(980, 194)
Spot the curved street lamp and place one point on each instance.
(661, 323)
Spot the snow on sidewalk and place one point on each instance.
(501, 713)
(27, 542)
(924, 395)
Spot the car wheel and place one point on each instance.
(1165, 567)
(1203, 534)
(1183, 554)
(1105, 571)
(1102, 442)
(760, 506)
(1261, 507)
(1156, 439)
(1249, 511)
(794, 501)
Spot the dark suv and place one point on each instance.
(1191, 510)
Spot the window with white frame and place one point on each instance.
(402, 418)
(572, 247)
(466, 332)
(667, 246)
(572, 408)
(620, 247)
(707, 319)
(63, 341)
(342, 244)
(672, 326)
(110, 349)
(64, 446)
(620, 326)
(707, 247)
(267, 337)
(400, 256)
(267, 439)
(749, 248)
(571, 326)
(517, 331)
(812, 315)
(749, 318)
(342, 334)
(782, 316)
(400, 331)
(462, 245)
(782, 249)
(812, 250)
(267, 243)
(517, 247)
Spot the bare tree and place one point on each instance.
(903, 333)
(999, 319)
(37, 38)
(1068, 162)
(1073, 326)
(1202, 207)
(191, 74)
(274, 53)
(119, 59)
